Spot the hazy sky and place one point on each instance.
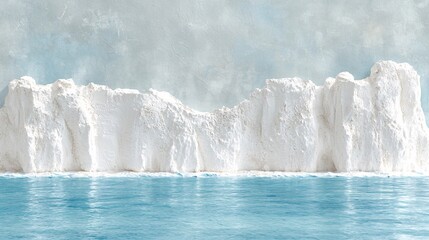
(208, 53)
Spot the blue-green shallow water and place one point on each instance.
(214, 208)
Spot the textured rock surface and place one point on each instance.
(374, 124)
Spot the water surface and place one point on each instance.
(214, 207)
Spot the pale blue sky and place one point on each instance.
(208, 53)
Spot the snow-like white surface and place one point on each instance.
(375, 124)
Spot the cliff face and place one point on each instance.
(374, 124)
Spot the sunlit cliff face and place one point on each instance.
(291, 125)
(208, 53)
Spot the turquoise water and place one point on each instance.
(214, 207)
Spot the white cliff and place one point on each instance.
(375, 124)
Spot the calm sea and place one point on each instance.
(214, 207)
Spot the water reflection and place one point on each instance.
(224, 207)
(35, 211)
(94, 202)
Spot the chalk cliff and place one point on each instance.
(375, 124)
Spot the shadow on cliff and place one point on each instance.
(3, 94)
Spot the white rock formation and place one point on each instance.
(374, 124)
